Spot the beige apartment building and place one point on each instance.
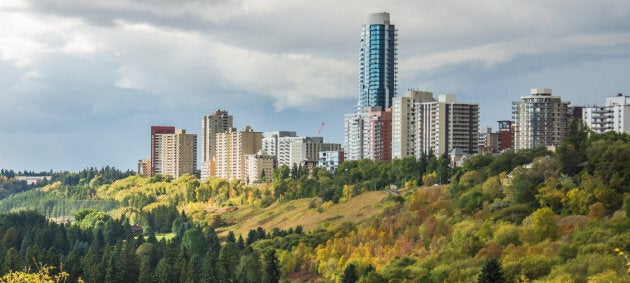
(231, 148)
(540, 119)
(178, 154)
(423, 125)
(144, 167)
(258, 167)
(219, 121)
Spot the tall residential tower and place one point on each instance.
(378, 62)
(218, 122)
(156, 147)
(368, 129)
(540, 119)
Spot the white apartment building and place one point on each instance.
(217, 122)
(614, 116)
(297, 150)
(178, 154)
(330, 159)
(271, 141)
(540, 119)
(353, 135)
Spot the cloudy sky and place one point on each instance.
(81, 82)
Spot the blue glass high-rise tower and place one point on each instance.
(378, 62)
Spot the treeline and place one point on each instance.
(354, 177)
(101, 249)
(61, 196)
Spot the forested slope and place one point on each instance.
(527, 216)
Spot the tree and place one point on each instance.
(491, 272)
(572, 150)
(228, 260)
(350, 274)
(249, 269)
(271, 270)
(544, 222)
(12, 261)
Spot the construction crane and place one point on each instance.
(320, 129)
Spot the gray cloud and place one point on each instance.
(75, 70)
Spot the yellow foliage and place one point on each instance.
(42, 276)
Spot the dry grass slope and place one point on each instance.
(297, 212)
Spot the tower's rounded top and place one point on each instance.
(378, 19)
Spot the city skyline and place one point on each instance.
(82, 82)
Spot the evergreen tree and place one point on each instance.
(228, 260)
(12, 261)
(249, 269)
(92, 268)
(145, 274)
(240, 243)
(72, 265)
(193, 269)
(128, 261)
(209, 267)
(350, 274)
(230, 238)
(113, 272)
(271, 270)
(491, 272)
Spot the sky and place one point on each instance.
(81, 82)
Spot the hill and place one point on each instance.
(309, 213)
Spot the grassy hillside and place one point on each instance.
(309, 213)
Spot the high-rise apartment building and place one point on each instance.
(540, 119)
(404, 118)
(217, 122)
(422, 125)
(231, 148)
(368, 134)
(156, 149)
(377, 140)
(445, 125)
(178, 154)
(271, 141)
(353, 135)
(368, 129)
(614, 116)
(378, 61)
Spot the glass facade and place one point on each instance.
(378, 64)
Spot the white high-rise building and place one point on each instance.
(217, 122)
(614, 116)
(422, 125)
(270, 141)
(178, 154)
(353, 135)
(540, 119)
